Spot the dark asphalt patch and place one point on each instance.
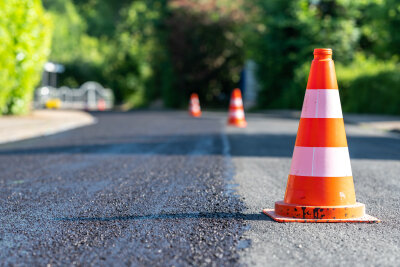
(164, 205)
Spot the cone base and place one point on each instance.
(240, 124)
(197, 115)
(279, 218)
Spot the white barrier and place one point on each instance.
(90, 96)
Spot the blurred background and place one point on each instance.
(157, 52)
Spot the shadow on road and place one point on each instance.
(200, 215)
(247, 145)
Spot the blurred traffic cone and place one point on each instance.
(101, 105)
(320, 184)
(194, 105)
(236, 111)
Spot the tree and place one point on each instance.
(206, 49)
(292, 29)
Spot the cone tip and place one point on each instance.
(323, 54)
(322, 51)
(236, 93)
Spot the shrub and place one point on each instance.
(292, 29)
(25, 34)
(370, 86)
(366, 85)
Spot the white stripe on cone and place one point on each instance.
(321, 161)
(237, 114)
(195, 108)
(236, 102)
(322, 103)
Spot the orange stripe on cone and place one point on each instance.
(300, 190)
(194, 106)
(236, 110)
(320, 185)
(321, 132)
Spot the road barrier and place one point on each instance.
(236, 110)
(320, 185)
(90, 96)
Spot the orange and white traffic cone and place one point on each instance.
(236, 111)
(320, 185)
(194, 106)
(101, 105)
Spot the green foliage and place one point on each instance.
(131, 66)
(162, 49)
(379, 26)
(370, 86)
(366, 85)
(110, 42)
(206, 54)
(102, 17)
(25, 35)
(147, 50)
(292, 29)
(82, 54)
(288, 31)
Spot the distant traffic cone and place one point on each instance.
(320, 184)
(236, 111)
(101, 105)
(194, 106)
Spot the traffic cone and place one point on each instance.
(236, 111)
(320, 184)
(194, 106)
(101, 105)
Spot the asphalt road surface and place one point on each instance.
(163, 189)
